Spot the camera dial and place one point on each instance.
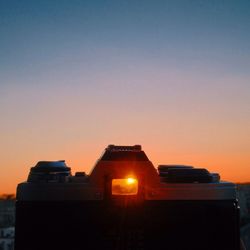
(49, 171)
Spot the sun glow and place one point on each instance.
(131, 181)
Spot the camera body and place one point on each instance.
(125, 203)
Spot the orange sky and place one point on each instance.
(233, 166)
(206, 128)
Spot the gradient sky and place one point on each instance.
(76, 76)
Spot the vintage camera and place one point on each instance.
(125, 204)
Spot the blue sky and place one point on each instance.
(37, 35)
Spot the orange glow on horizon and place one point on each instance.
(231, 167)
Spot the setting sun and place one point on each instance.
(131, 180)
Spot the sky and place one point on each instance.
(171, 75)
